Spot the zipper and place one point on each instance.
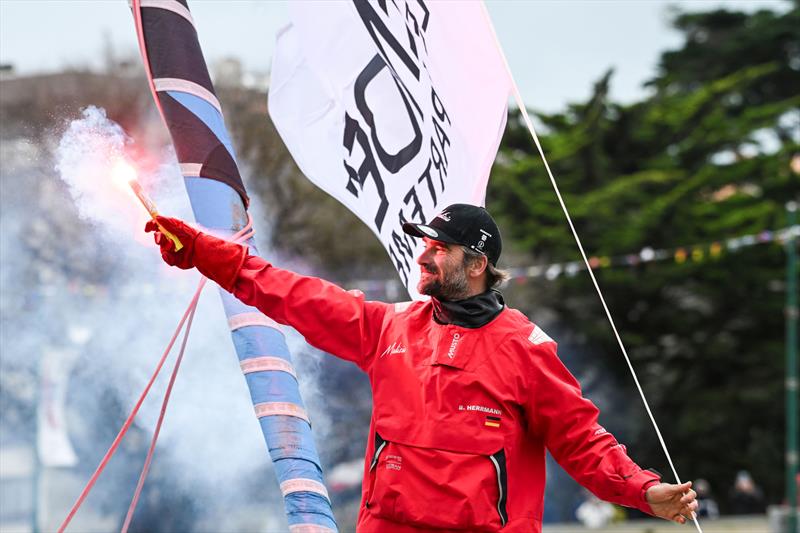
(380, 444)
(501, 496)
(377, 454)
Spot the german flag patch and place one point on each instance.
(492, 421)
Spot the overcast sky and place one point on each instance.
(556, 48)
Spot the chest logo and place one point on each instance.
(395, 347)
(451, 353)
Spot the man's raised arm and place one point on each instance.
(334, 320)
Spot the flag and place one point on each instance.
(394, 108)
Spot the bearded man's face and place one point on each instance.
(443, 274)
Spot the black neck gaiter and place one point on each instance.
(472, 312)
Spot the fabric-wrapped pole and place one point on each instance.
(187, 102)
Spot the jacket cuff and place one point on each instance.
(636, 487)
(219, 260)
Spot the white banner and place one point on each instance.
(396, 108)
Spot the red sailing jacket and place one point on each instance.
(461, 417)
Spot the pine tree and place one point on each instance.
(705, 158)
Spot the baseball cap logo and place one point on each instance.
(430, 232)
(464, 224)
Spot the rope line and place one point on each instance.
(129, 420)
(188, 315)
(136, 8)
(244, 234)
(524, 112)
(148, 460)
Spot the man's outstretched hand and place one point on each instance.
(677, 503)
(217, 259)
(186, 234)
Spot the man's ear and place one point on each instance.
(478, 266)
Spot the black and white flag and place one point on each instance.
(395, 108)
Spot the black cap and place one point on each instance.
(464, 224)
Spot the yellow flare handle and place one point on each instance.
(170, 236)
(151, 208)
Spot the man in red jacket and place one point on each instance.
(467, 393)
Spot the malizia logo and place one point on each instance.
(444, 215)
(395, 347)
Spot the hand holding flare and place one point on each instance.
(215, 258)
(125, 172)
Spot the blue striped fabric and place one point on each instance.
(173, 53)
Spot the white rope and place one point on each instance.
(524, 112)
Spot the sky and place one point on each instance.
(556, 48)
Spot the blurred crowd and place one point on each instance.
(745, 497)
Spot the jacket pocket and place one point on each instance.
(499, 462)
(437, 488)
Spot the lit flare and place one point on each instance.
(125, 173)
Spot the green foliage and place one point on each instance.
(706, 157)
(719, 43)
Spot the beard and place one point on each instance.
(448, 285)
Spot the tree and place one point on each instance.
(705, 158)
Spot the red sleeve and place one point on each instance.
(336, 321)
(568, 424)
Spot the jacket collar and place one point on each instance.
(472, 312)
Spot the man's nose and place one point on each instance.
(423, 257)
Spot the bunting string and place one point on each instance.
(695, 253)
(689, 254)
